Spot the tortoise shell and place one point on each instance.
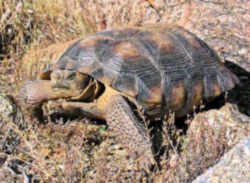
(154, 64)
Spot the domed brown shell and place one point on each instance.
(154, 64)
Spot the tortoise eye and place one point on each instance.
(71, 76)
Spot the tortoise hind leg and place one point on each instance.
(130, 132)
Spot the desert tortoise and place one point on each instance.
(156, 68)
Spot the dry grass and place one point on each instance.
(51, 21)
(39, 22)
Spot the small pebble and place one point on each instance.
(243, 51)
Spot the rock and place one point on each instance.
(234, 166)
(210, 135)
(7, 107)
(10, 111)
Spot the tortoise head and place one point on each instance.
(60, 84)
(70, 84)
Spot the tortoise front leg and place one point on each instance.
(34, 92)
(129, 130)
(121, 120)
(63, 106)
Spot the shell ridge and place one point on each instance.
(166, 88)
(175, 37)
(142, 89)
(221, 81)
(187, 65)
(144, 48)
(110, 63)
(207, 89)
(147, 50)
(191, 71)
(144, 51)
(68, 51)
